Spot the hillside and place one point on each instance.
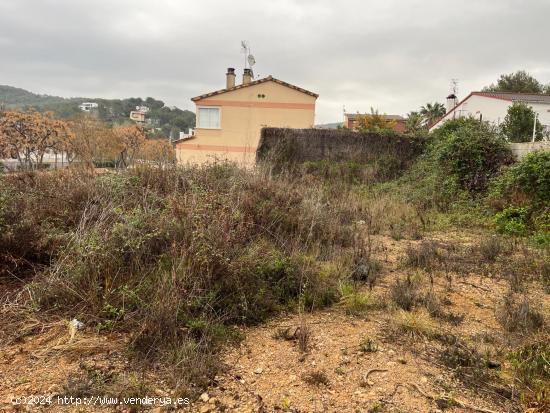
(164, 119)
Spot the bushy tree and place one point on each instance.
(469, 151)
(157, 151)
(432, 112)
(94, 143)
(374, 122)
(29, 135)
(131, 138)
(518, 82)
(415, 123)
(518, 123)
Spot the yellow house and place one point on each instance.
(229, 121)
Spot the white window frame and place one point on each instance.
(209, 107)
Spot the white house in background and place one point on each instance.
(493, 106)
(137, 116)
(88, 106)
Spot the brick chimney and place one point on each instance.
(230, 78)
(247, 76)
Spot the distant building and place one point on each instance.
(398, 122)
(137, 116)
(144, 109)
(187, 135)
(229, 120)
(493, 107)
(88, 106)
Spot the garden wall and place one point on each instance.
(281, 145)
(521, 149)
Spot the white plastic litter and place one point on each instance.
(78, 325)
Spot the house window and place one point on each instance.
(209, 118)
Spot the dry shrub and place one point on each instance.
(303, 336)
(175, 256)
(365, 267)
(544, 274)
(316, 378)
(424, 255)
(519, 315)
(459, 355)
(468, 363)
(407, 293)
(490, 248)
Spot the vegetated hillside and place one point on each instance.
(16, 97)
(329, 286)
(166, 120)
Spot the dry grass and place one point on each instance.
(414, 325)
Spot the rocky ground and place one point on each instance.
(349, 360)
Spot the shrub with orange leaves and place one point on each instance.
(93, 141)
(131, 138)
(29, 135)
(158, 152)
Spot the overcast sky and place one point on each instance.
(392, 55)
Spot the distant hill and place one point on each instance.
(333, 125)
(162, 120)
(16, 97)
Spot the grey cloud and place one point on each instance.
(392, 55)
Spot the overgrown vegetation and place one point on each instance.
(176, 257)
(521, 196)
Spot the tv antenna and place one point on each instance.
(249, 59)
(454, 86)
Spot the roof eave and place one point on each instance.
(253, 83)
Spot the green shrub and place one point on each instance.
(528, 181)
(522, 195)
(512, 221)
(470, 152)
(462, 157)
(541, 239)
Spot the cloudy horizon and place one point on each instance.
(391, 56)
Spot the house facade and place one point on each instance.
(398, 122)
(229, 121)
(88, 106)
(493, 107)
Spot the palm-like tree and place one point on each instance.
(432, 112)
(415, 122)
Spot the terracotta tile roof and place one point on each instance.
(255, 82)
(515, 97)
(353, 116)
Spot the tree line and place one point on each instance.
(29, 135)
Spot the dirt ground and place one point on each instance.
(353, 363)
